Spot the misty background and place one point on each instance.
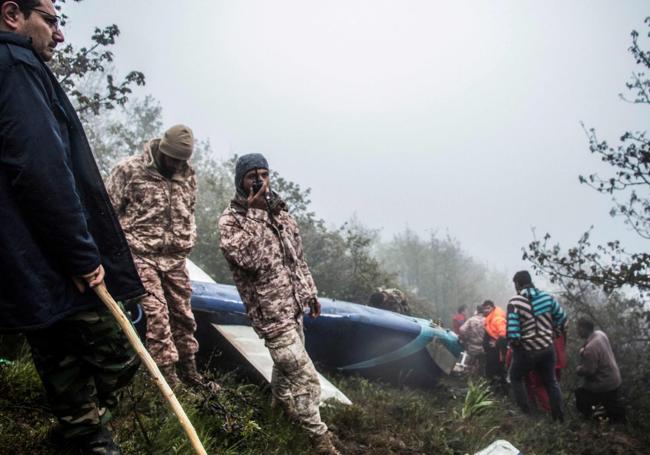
(438, 139)
(460, 118)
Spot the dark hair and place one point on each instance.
(522, 279)
(25, 6)
(489, 303)
(586, 324)
(462, 308)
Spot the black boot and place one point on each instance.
(97, 443)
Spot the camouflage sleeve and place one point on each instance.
(116, 185)
(193, 209)
(303, 264)
(238, 244)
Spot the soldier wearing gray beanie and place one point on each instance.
(246, 163)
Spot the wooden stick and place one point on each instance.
(158, 378)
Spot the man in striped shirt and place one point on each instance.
(534, 319)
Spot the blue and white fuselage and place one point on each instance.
(347, 336)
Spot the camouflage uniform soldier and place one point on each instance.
(390, 299)
(262, 244)
(154, 194)
(58, 235)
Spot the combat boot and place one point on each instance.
(323, 445)
(169, 372)
(190, 375)
(97, 443)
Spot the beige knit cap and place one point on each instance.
(177, 142)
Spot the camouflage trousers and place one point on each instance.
(170, 322)
(82, 361)
(294, 381)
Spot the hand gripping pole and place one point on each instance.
(144, 355)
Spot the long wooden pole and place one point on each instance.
(159, 379)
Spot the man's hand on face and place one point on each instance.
(314, 308)
(92, 279)
(257, 201)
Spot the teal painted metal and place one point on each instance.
(425, 336)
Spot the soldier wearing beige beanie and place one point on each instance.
(172, 151)
(177, 142)
(154, 195)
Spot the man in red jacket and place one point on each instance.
(459, 319)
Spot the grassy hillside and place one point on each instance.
(454, 418)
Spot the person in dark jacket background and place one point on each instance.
(58, 235)
(600, 374)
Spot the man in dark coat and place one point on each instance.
(601, 377)
(58, 235)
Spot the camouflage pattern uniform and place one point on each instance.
(82, 361)
(157, 216)
(266, 257)
(294, 381)
(390, 299)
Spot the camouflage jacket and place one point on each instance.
(390, 299)
(156, 213)
(266, 257)
(472, 333)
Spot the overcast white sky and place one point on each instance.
(457, 116)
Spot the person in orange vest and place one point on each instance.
(495, 345)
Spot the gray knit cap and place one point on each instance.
(177, 142)
(246, 163)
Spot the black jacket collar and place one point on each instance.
(15, 38)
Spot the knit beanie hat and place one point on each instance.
(246, 163)
(177, 142)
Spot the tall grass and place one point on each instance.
(456, 417)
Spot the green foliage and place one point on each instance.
(479, 399)
(20, 379)
(240, 420)
(24, 422)
(123, 132)
(440, 275)
(610, 266)
(342, 261)
(72, 66)
(216, 188)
